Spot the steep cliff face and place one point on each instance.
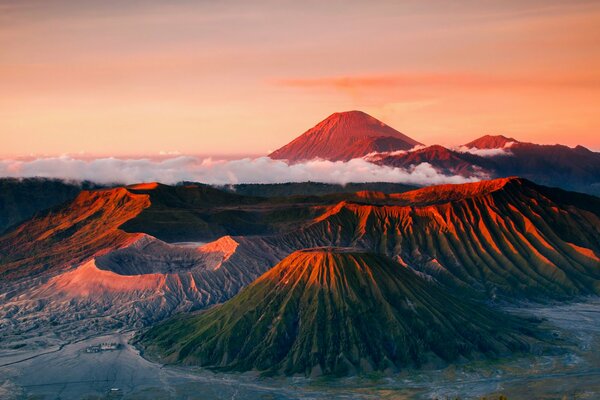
(336, 311)
(82, 229)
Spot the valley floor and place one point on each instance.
(67, 371)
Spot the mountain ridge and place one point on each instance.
(512, 239)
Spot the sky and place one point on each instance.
(229, 78)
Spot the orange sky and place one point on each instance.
(143, 77)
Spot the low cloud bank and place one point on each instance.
(221, 172)
(378, 155)
(503, 151)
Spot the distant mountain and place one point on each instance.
(344, 136)
(498, 156)
(574, 168)
(204, 213)
(336, 312)
(354, 134)
(491, 142)
(444, 160)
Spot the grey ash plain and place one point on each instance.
(64, 370)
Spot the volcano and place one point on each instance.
(342, 137)
(507, 237)
(491, 142)
(337, 311)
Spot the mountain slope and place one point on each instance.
(67, 236)
(336, 311)
(102, 221)
(505, 237)
(133, 286)
(344, 136)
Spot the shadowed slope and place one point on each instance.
(313, 188)
(21, 199)
(199, 212)
(336, 311)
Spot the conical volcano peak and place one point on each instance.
(322, 265)
(351, 114)
(343, 136)
(336, 311)
(491, 142)
(356, 119)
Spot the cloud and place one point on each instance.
(454, 80)
(503, 151)
(378, 155)
(221, 172)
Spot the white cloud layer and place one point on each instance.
(221, 172)
(502, 151)
(378, 155)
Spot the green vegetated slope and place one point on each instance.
(337, 311)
